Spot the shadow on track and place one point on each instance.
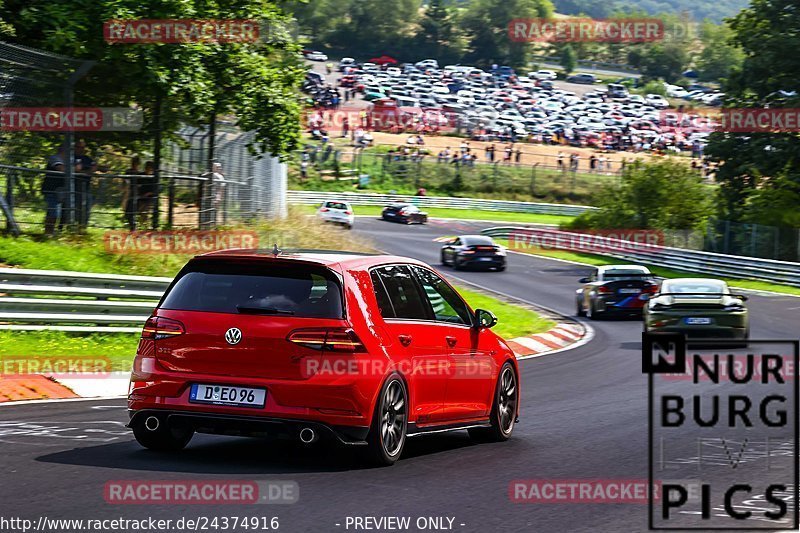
(226, 455)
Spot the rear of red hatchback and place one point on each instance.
(242, 345)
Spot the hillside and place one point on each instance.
(714, 10)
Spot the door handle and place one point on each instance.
(405, 340)
(451, 341)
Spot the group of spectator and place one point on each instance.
(56, 190)
(139, 199)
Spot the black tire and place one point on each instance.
(504, 409)
(349, 226)
(579, 310)
(163, 439)
(592, 313)
(501, 268)
(444, 261)
(387, 434)
(457, 264)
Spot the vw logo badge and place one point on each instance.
(233, 336)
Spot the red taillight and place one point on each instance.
(603, 289)
(324, 210)
(327, 339)
(158, 327)
(348, 213)
(651, 289)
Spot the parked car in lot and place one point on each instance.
(617, 90)
(618, 289)
(346, 62)
(543, 75)
(315, 55)
(405, 213)
(478, 251)
(337, 212)
(657, 101)
(315, 345)
(697, 307)
(582, 78)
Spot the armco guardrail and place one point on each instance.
(316, 197)
(76, 301)
(730, 266)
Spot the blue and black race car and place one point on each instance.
(615, 289)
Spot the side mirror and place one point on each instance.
(584, 280)
(484, 319)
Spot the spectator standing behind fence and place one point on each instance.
(131, 202)
(83, 183)
(147, 192)
(53, 190)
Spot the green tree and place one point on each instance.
(720, 55)
(439, 37)
(486, 25)
(662, 195)
(769, 35)
(569, 59)
(188, 83)
(665, 60)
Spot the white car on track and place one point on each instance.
(337, 212)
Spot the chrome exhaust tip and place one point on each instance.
(151, 423)
(307, 435)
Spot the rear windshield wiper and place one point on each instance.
(263, 310)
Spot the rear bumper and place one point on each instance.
(630, 305)
(705, 332)
(485, 262)
(254, 426)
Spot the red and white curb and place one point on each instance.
(564, 335)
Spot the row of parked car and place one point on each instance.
(528, 105)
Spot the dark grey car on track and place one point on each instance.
(477, 251)
(405, 213)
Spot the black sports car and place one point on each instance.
(618, 289)
(404, 212)
(474, 250)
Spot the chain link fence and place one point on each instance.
(454, 174)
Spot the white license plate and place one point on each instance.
(485, 258)
(630, 291)
(227, 395)
(698, 321)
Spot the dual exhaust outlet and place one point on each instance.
(307, 435)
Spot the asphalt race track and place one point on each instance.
(584, 416)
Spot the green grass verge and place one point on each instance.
(512, 320)
(466, 214)
(119, 348)
(596, 260)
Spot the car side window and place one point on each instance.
(384, 303)
(447, 305)
(403, 293)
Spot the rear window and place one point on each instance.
(478, 241)
(617, 274)
(336, 205)
(270, 289)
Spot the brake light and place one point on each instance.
(651, 289)
(143, 368)
(327, 339)
(603, 289)
(158, 327)
(348, 213)
(323, 210)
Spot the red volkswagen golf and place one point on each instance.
(365, 349)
